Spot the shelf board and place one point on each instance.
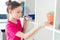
(55, 30)
(58, 31)
(49, 28)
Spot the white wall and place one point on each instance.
(31, 5)
(43, 34)
(42, 7)
(3, 7)
(57, 36)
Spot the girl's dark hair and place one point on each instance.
(12, 5)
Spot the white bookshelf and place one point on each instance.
(40, 18)
(43, 7)
(57, 21)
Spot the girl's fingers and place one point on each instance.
(45, 24)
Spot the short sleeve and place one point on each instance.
(12, 30)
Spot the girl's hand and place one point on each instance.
(25, 18)
(44, 24)
(48, 24)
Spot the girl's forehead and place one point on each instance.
(18, 8)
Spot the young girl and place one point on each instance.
(14, 30)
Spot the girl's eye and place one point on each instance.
(19, 12)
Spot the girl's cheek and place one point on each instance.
(20, 14)
(14, 15)
(17, 16)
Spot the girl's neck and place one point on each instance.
(12, 20)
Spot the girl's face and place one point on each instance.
(16, 13)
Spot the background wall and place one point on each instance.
(31, 5)
(42, 7)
